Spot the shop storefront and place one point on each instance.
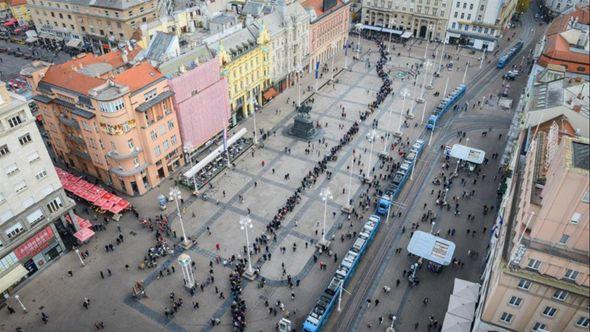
(29, 257)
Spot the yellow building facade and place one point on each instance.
(20, 12)
(245, 59)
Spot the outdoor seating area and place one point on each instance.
(102, 200)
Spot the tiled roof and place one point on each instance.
(317, 6)
(139, 76)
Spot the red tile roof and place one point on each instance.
(317, 6)
(68, 75)
(138, 76)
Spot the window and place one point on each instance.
(41, 174)
(15, 121)
(25, 139)
(539, 327)
(35, 216)
(11, 169)
(534, 264)
(14, 230)
(549, 311)
(560, 295)
(506, 317)
(564, 239)
(20, 187)
(4, 150)
(165, 145)
(575, 219)
(586, 198)
(54, 205)
(135, 162)
(153, 135)
(157, 151)
(149, 95)
(8, 261)
(515, 301)
(170, 124)
(571, 274)
(173, 139)
(583, 321)
(130, 144)
(524, 284)
(33, 157)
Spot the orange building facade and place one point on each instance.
(110, 117)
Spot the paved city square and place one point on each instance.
(260, 183)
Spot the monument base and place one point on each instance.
(186, 245)
(249, 276)
(323, 244)
(346, 209)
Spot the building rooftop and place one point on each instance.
(320, 9)
(112, 4)
(239, 42)
(223, 18)
(139, 76)
(186, 61)
(567, 42)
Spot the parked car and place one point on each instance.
(511, 75)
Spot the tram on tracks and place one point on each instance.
(329, 298)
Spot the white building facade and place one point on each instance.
(478, 23)
(426, 19)
(33, 203)
(288, 27)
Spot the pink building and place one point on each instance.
(328, 31)
(202, 103)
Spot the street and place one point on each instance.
(260, 184)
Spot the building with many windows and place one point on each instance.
(245, 62)
(98, 24)
(17, 9)
(288, 27)
(328, 29)
(33, 204)
(478, 23)
(423, 18)
(110, 117)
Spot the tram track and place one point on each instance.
(362, 285)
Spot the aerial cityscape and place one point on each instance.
(295, 165)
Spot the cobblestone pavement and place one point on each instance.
(264, 189)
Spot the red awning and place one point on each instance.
(84, 234)
(10, 22)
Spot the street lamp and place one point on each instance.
(371, 138)
(299, 73)
(359, 29)
(254, 104)
(334, 48)
(387, 134)
(398, 133)
(394, 23)
(326, 194)
(245, 223)
(187, 148)
(347, 208)
(176, 195)
(77, 251)
(346, 53)
(17, 297)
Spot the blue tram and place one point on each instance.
(329, 297)
(506, 57)
(444, 105)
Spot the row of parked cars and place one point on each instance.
(18, 53)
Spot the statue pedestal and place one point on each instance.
(303, 126)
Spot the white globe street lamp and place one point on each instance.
(177, 196)
(326, 194)
(245, 224)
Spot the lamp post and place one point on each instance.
(423, 113)
(245, 224)
(334, 51)
(346, 53)
(17, 297)
(326, 194)
(398, 133)
(299, 73)
(359, 29)
(393, 24)
(187, 148)
(465, 74)
(387, 134)
(347, 208)
(371, 138)
(177, 195)
(77, 251)
(433, 70)
(254, 104)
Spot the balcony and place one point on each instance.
(121, 172)
(76, 139)
(123, 156)
(69, 122)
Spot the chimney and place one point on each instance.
(577, 108)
